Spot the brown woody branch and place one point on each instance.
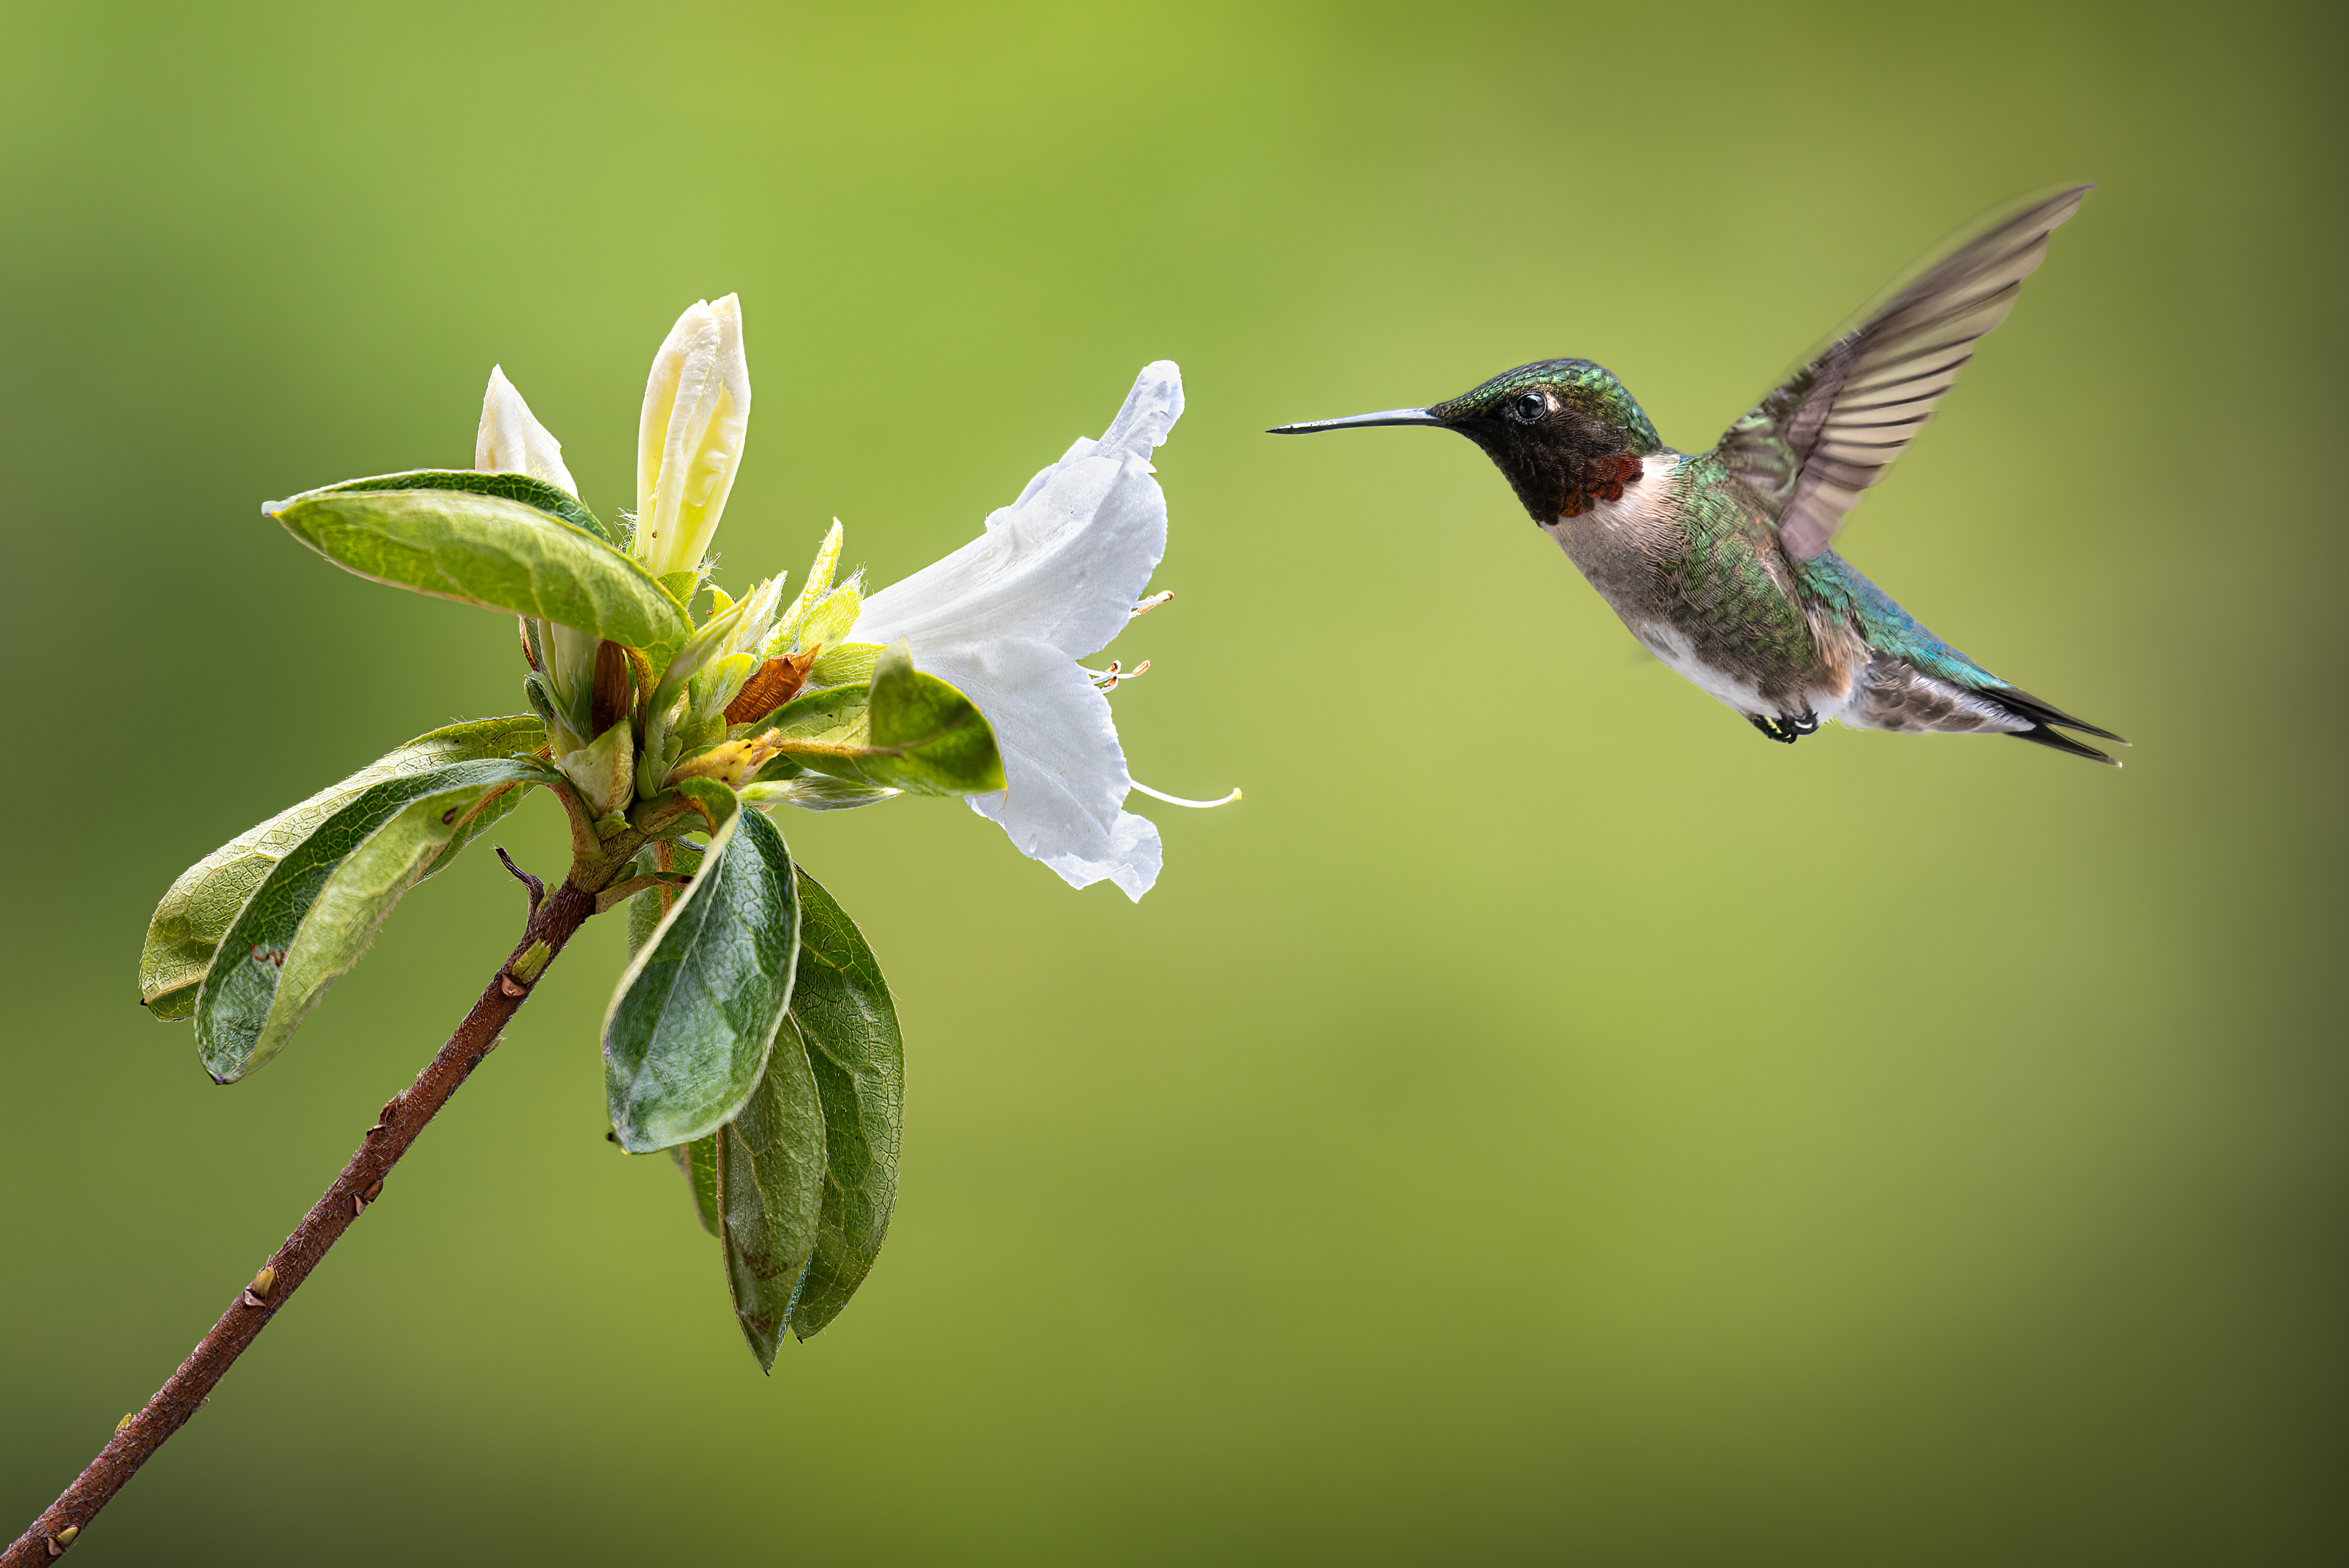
(553, 921)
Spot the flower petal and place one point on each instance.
(511, 442)
(1062, 565)
(1054, 577)
(1067, 778)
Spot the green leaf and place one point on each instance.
(707, 643)
(770, 1192)
(188, 925)
(836, 716)
(717, 800)
(645, 910)
(944, 747)
(846, 663)
(317, 910)
(830, 618)
(547, 498)
(605, 769)
(847, 1023)
(691, 1026)
(486, 549)
(816, 792)
(698, 1161)
(908, 731)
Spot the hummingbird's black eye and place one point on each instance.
(1527, 407)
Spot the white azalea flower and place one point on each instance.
(1054, 579)
(1056, 576)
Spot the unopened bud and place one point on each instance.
(511, 441)
(690, 438)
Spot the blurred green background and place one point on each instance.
(1544, 1121)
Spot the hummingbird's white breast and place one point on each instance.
(1623, 546)
(1612, 543)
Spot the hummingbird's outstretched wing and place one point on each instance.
(1832, 427)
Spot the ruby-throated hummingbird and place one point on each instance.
(1719, 563)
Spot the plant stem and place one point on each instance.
(553, 921)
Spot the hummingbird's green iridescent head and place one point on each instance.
(1564, 431)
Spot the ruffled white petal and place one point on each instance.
(1061, 756)
(1065, 562)
(1054, 578)
(511, 442)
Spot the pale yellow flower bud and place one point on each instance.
(689, 441)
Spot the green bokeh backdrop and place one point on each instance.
(1543, 1121)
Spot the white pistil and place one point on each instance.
(1178, 801)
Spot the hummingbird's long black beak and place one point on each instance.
(1384, 417)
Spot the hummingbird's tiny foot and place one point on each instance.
(1788, 728)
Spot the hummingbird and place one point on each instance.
(1718, 561)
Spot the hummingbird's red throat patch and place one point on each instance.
(1602, 479)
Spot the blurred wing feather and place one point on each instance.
(1833, 427)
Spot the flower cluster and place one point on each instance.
(1054, 579)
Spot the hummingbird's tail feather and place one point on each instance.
(2045, 717)
(2040, 735)
(1938, 691)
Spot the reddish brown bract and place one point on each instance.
(770, 686)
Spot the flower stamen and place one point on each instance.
(1106, 680)
(1143, 607)
(1178, 801)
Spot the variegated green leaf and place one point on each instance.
(906, 731)
(847, 1023)
(188, 925)
(690, 1027)
(314, 915)
(532, 492)
(935, 742)
(484, 549)
(698, 1161)
(769, 1191)
(813, 792)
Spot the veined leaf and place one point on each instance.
(944, 746)
(716, 798)
(846, 663)
(769, 1192)
(645, 910)
(834, 716)
(314, 915)
(484, 549)
(843, 1017)
(698, 1161)
(908, 731)
(188, 925)
(814, 792)
(707, 642)
(691, 1026)
(605, 769)
(547, 498)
